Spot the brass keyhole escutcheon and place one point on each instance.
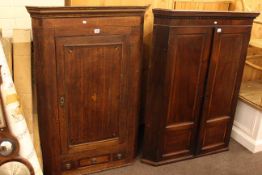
(62, 101)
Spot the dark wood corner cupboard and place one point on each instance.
(87, 67)
(194, 79)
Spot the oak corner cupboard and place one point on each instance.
(194, 79)
(87, 67)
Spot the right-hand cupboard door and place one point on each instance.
(223, 82)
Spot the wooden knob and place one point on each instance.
(119, 156)
(68, 166)
(93, 160)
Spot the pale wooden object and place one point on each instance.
(252, 51)
(256, 31)
(23, 82)
(256, 43)
(253, 69)
(251, 93)
(251, 88)
(202, 5)
(22, 72)
(251, 5)
(8, 46)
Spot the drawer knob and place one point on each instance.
(219, 30)
(84, 21)
(93, 160)
(68, 166)
(119, 156)
(215, 22)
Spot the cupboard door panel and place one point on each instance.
(91, 81)
(178, 139)
(96, 87)
(186, 73)
(225, 72)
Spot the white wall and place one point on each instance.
(13, 13)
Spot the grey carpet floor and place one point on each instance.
(236, 161)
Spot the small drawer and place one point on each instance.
(94, 160)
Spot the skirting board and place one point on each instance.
(246, 141)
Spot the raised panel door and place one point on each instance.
(92, 74)
(225, 72)
(188, 57)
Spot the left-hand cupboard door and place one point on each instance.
(176, 92)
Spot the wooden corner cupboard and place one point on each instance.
(87, 67)
(194, 80)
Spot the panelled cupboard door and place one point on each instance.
(187, 73)
(223, 82)
(92, 87)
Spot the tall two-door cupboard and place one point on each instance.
(194, 79)
(87, 68)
